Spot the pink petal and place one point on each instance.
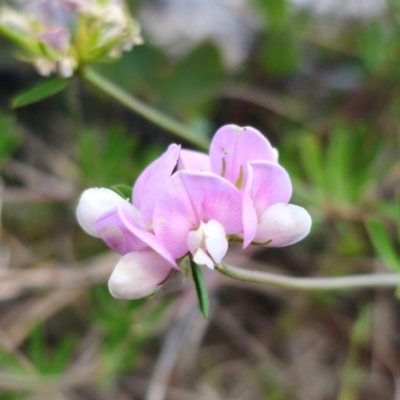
(138, 274)
(266, 183)
(151, 181)
(123, 235)
(194, 160)
(250, 219)
(58, 39)
(191, 197)
(232, 147)
(283, 224)
(270, 184)
(114, 227)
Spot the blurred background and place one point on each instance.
(321, 79)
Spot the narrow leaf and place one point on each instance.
(398, 214)
(9, 138)
(382, 243)
(312, 158)
(22, 40)
(123, 190)
(397, 293)
(40, 92)
(201, 289)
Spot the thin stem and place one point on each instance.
(164, 121)
(342, 282)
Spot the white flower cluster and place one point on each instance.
(58, 36)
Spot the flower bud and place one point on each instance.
(283, 225)
(138, 274)
(93, 204)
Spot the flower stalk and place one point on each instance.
(335, 283)
(158, 118)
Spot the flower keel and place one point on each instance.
(208, 244)
(138, 274)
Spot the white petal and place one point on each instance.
(284, 224)
(194, 239)
(93, 204)
(138, 274)
(202, 258)
(276, 153)
(215, 240)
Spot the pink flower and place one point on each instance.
(245, 158)
(239, 191)
(195, 212)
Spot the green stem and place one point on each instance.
(153, 115)
(334, 283)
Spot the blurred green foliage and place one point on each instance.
(341, 169)
(38, 352)
(9, 138)
(126, 329)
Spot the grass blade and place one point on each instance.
(382, 243)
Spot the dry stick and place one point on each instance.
(18, 322)
(179, 332)
(334, 283)
(42, 183)
(14, 282)
(244, 340)
(177, 335)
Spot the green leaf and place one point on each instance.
(373, 45)
(102, 157)
(201, 289)
(40, 92)
(9, 138)
(382, 243)
(22, 40)
(337, 156)
(279, 54)
(123, 190)
(274, 13)
(398, 214)
(62, 354)
(361, 331)
(188, 86)
(312, 158)
(36, 349)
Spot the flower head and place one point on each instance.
(58, 36)
(239, 191)
(245, 158)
